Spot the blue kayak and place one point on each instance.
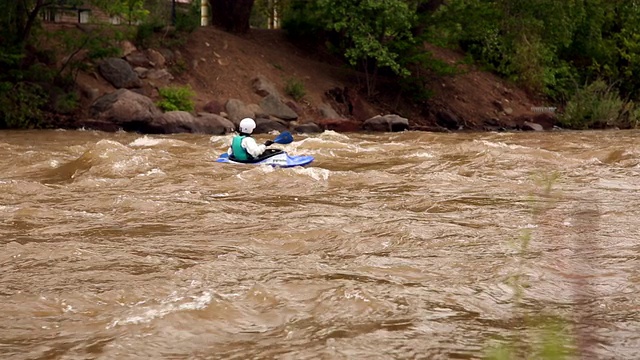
(273, 157)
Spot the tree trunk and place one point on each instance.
(32, 16)
(232, 15)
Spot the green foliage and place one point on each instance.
(370, 26)
(176, 98)
(20, 105)
(189, 21)
(547, 45)
(146, 31)
(303, 21)
(179, 66)
(295, 89)
(66, 102)
(598, 105)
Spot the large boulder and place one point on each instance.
(273, 106)
(264, 87)
(238, 110)
(173, 122)
(157, 59)
(215, 124)
(125, 108)
(307, 128)
(214, 107)
(137, 58)
(448, 120)
(326, 111)
(386, 123)
(339, 125)
(264, 126)
(119, 73)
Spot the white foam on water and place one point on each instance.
(314, 173)
(222, 140)
(170, 305)
(152, 172)
(147, 141)
(330, 134)
(83, 214)
(424, 155)
(500, 145)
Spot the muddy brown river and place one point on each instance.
(395, 246)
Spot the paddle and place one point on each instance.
(284, 138)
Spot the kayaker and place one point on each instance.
(243, 146)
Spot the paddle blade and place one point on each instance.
(284, 138)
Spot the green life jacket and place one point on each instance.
(239, 152)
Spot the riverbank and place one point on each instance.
(221, 67)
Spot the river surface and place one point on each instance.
(394, 246)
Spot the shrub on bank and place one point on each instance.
(599, 105)
(176, 98)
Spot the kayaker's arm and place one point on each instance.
(252, 147)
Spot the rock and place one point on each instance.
(264, 87)
(126, 109)
(214, 107)
(447, 120)
(358, 108)
(238, 110)
(273, 106)
(141, 71)
(295, 107)
(386, 123)
(137, 59)
(127, 47)
(326, 111)
(156, 58)
(168, 55)
(173, 122)
(161, 74)
(308, 128)
(100, 125)
(264, 126)
(184, 122)
(119, 73)
(88, 91)
(532, 126)
(216, 124)
(545, 120)
(339, 125)
(257, 110)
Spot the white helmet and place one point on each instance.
(247, 125)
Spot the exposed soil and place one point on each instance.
(221, 66)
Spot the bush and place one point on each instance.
(20, 105)
(295, 89)
(189, 21)
(176, 98)
(66, 103)
(146, 31)
(597, 105)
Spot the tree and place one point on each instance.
(374, 31)
(232, 15)
(18, 18)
